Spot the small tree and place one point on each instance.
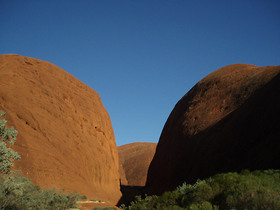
(7, 154)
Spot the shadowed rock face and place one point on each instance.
(228, 121)
(135, 159)
(65, 136)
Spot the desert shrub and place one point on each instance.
(256, 190)
(166, 201)
(18, 192)
(82, 197)
(246, 190)
(7, 139)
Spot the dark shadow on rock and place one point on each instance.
(247, 138)
(129, 193)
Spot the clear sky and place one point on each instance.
(141, 56)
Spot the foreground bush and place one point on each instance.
(7, 139)
(18, 192)
(247, 190)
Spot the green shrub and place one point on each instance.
(7, 154)
(83, 197)
(18, 192)
(247, 190)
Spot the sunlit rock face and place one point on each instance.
(135, 159)
(65, 136)
(228, 121)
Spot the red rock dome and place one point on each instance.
(228, 121)
(135, 159)
(65, 136)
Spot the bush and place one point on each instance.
(18, 192)
(247, 190)
(7, 154)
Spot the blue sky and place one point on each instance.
(142, 56)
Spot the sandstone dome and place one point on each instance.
(65, 136)
(135, 159)
(228, 121)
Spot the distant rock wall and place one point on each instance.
(228, 121)
(65, 136)
(135, 159)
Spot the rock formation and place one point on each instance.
(65, 136)
(135, 159)
(228, 121)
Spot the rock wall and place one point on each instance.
(65, 136)
(135, 159)
(228, 121)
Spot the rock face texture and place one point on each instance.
(65, 136)
(135, 159)
(228, 121)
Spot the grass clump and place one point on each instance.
(18, 192)
(245, 190)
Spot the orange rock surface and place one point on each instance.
(65, 136)
(135, 159)
(228, 121)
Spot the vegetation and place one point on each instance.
(7, 154)
(18, 192)
(247, 190)
(103, 208)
